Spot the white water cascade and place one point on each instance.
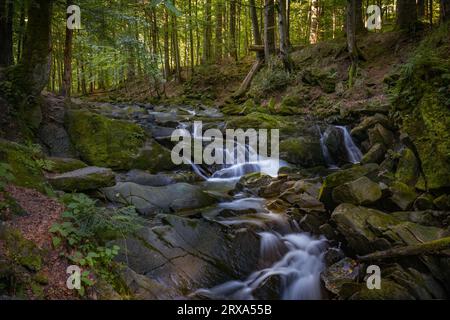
(298, 265)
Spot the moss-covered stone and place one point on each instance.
(302, 151)
(24, 164)
(22, 251)
(256, 120)
(104, 142)
(62, 165)
(408, 167)
(402, 195)
(339, 178)
(153, 157)
(360, 191)
(376, 154)
(89, 178)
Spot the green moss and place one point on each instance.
(25, 168)
(421, 97)
(62, 165)
(408, 167)
(22, 251)
(256, 120)
(302, 151)
(104, 142)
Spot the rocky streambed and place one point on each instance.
(305, 232)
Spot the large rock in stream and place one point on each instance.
(149, 200)
(182, 255)
(85, 179)
(116, 144)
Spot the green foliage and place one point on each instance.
(6, 175)
(86, 228)
(270, 79)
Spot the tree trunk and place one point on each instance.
(445, 10)
(359, 17)
(191, 38)
(282, 30)
(6, 42)
(351, 39)
(314, 29)
(420, 9)
(166, 45)
(233, 48)
(207, 33)
(219, 27)
(269, 29)
(34, 69)
(21, 31)
(67, 81)
(255, 29)
(288, 23)
(406, 14)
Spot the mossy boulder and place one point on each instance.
(402, 195)
(21, 251)
(302, 151)
(153, 157)
(61, 165)
(24, 162)
(361, 131)
(360, 191)
(150, 200)
(442, 202)
(85, 179)
(421, 99)
(376, 154)
(104, 142)
(340, 177)
(408, 167)
(256, 120)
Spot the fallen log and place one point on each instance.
(426, 248)
(248, 79)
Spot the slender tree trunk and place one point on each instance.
(176, 47)
(207, 36)
(445, 10)
(351, 39)
(166, 46)
(255, 29)
(406, 14)
(420, 9)
(67, 83)
(284, 52)
(219, 27)
(21, 31)
(359, 17)
(269, 28)
(6, 42)
(232, 30)
(191, 38)
(288, 23)
(314, 30)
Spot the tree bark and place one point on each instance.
(67, 81)
(34, 69)
(269, 29)
(166, 45)
(406, 14)
(255, 29)
(233, 47)
(359, 17)
(6, 41)
(445, 10)
(284, 52)
(351, 39)
(426, 248)
(420, 9)
(219, 27)
(207, 36)
(314, 27)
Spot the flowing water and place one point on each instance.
(291, 261)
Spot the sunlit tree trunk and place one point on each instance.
(314, 29)
(219, 27)
(282, 30)
(207, 36)
(351, 39)
(232, 31)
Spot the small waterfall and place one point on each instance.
(299, 263)
(326, 154)
(353, 152)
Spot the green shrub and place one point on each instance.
(270, 79)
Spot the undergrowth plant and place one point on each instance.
(85, 230)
